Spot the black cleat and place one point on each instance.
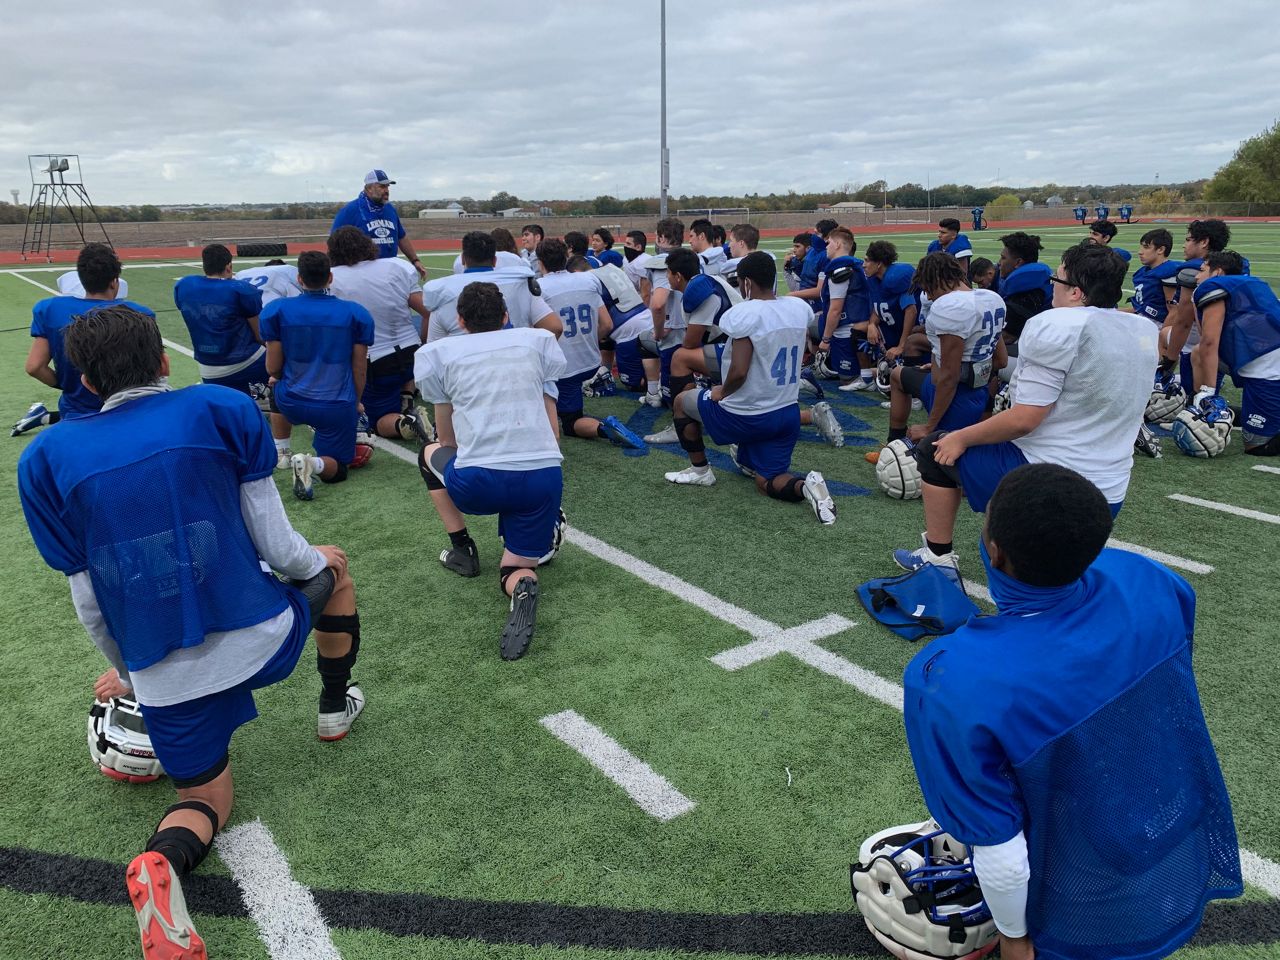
(518, 633)
(1147, 443)
(464, 560)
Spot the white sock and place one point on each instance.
(282, 445)
(317, 464)
(654, 388)
(868, 374)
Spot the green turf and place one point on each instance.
(449, 786)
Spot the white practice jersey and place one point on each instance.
(634, 269)
(496, 383)
(69, 285)
(383, 287)
(713, 260)
(503, 258)
(975, 316)
(575, 298)
(440, 296)
(777, 330)
(274, 283)
(655, 267)
(1095, 367)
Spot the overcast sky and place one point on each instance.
(168, 102)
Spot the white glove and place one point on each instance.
(1204, 393)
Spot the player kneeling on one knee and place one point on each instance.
(1041, 736)
(316, 351)
(757, 407)
(497, 450)
(180, 485)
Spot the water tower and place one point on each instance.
(56, 181)
(14, 194)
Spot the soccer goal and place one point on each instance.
(714, 214)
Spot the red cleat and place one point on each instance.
(364, 453)
(163, 921)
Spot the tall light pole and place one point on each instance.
(664, 162)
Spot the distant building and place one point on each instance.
(1028, 205)
(451, 212)
(1054, 201)
(514, 213)
(845, 206)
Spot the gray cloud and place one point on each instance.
(180, 102)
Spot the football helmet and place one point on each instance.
(1002, 401)
(1203, 433)
(897, 471)
(118, 742)
(557, 540)
(884, 373)
(820, 367)
(1165, 403)
(918, 895)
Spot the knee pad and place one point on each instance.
(428, 475)
(567, 420)
(608, 343)
(341, 623)
(789, 492)
(338, 477)
(930, 470)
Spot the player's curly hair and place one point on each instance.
(939, 272)
(881, 251)
(1217, 233)
(605, 235)
(481, 307)
(116, 348)
(1228, 261)
(96, 266)
(553, 254)
(1025, 246)
(349, 246)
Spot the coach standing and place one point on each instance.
(373, 214)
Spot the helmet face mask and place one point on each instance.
(919, 896)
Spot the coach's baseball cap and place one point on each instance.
(377, 176)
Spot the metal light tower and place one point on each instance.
(664, 162)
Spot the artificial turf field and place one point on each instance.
(451, 823)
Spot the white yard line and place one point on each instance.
(1264, 469)
(1168, 559)
(651, 791)
(978, 591)
(288, 919)
(1227, 508)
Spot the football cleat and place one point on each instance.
(336, 725)
(1147, 443)
(463, 560)
(919, 896)
(518, 632)
(668, 435)
(261, 393)
(871, 456)
(284, 459)
(163, 922)
(915, 559)
(302, 470)
(824, 419)
(692, 477)
(363, 426)
(650, 399)
(733, 455)
(897, 471)
(884, 375)
(364, 453)
(119, 744)
(557, 540)
(819, 497)
(854, 385)
(421, 425)
(915, 404)
(36, 416)
(618, 433)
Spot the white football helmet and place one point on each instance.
(898, 473)
(1003, 400)
(884, 374)
(918, 895)
(557, 540)
(1165, 403)
(118, 742)
(1197, 437)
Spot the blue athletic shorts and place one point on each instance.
(191, 738)
(570, 391)
(1260, 409)
(765, 440)
(843, 360)
(382, 396)
(967, 406)
(630, 369)
(1188, 377)
(982, 468)
(256, 372)
(334, 422)
(527, 502)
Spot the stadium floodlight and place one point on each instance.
(664, 160)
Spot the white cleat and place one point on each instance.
(857, 383)
(668, 435)
(650, 399)
(303, 489)
(733, 455)
(915, 559)
(819, 497)
(693, 476)
(824, 419)
(915, 404)
(285, 462)
(336, 725)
